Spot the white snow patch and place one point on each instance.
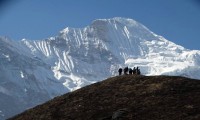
(78, 57)
(22, 74)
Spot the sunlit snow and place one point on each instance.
(33, 72)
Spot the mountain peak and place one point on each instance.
(39, 70)
(127, 21)
(118, 19)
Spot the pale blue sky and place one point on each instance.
(176, 20)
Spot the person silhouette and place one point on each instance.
(134, 71)
(125, 70)
(120, 71)
(138, 71)
(130, 71)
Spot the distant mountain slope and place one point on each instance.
(34, 71)
(127, 96)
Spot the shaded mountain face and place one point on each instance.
(127, 97)
(34, 71)
(24, 80)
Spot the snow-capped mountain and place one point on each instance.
(34, 71)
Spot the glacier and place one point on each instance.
(34, 71)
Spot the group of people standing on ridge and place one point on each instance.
(134, 71)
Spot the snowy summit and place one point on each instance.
(33, 72)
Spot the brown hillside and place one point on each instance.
(127, 97)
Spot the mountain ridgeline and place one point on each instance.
(125, 97)
(34, 71)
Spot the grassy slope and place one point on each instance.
(143, 97)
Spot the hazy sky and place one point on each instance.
(176, 20)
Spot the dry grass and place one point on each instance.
(136, 97)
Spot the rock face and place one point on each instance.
(125, 97)
(34, 71)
